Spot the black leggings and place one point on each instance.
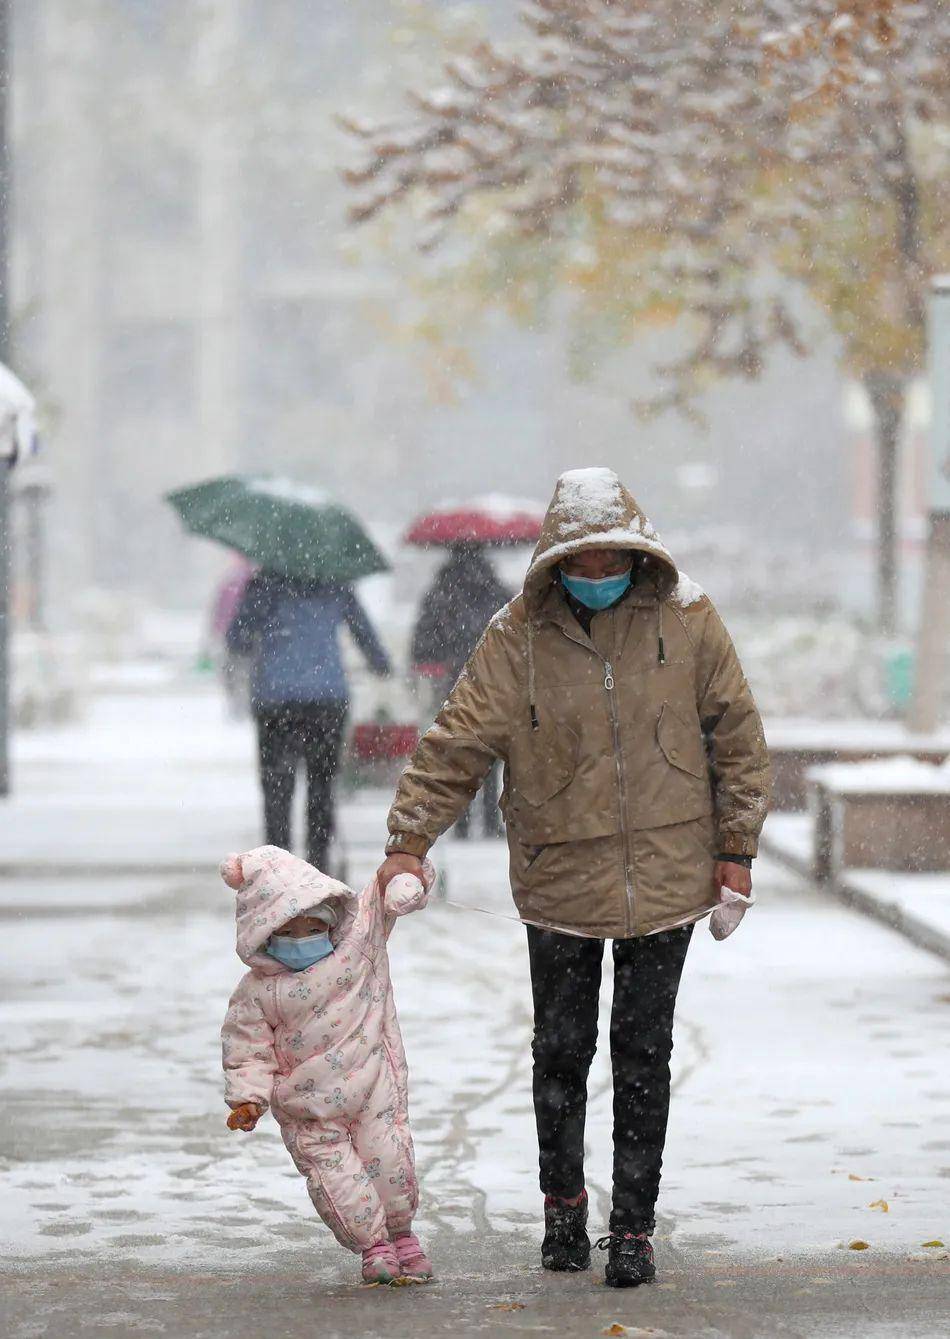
(565, 981)
(313, 732)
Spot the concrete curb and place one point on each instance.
(896, 917)
(891, 914)
(63, 869)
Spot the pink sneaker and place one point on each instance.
(380, 1264)
(413, 1261)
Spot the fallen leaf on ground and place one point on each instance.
(852, 1177)
(636, 1331)
(858, 1246)
(506, 1306)
(932, 1245)
(880, 1204)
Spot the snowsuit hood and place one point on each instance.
(592, 509)
(276, 887)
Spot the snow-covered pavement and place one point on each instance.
(811, 1110)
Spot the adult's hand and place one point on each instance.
(399, 863)
(727, 874)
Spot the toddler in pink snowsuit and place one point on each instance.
(311, 1031)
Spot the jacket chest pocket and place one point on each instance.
(681, 742)
(542, 762)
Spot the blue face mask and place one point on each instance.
(597, 594)
(298, 954)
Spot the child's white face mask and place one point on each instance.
(299, 954)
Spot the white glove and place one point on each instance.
(726, 917)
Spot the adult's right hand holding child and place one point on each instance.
(398, 863)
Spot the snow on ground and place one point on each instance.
(916, 904)
(923, 896)
(808, 1052)
(805, 732)
(900, 775)
(809, 1070)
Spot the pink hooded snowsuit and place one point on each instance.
(322, 1046)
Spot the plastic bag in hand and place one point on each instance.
(726, 917)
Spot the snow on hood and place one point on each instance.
(278, 886)
(591, 509)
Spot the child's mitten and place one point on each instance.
(244, 1117)
(406, 886)
(406, 892)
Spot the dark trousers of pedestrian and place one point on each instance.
(565, 982)
(288, 735)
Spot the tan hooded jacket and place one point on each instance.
(632, 756)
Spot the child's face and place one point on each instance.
(301, 926)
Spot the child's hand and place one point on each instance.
(244, 1117)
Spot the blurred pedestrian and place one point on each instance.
(233, 668)
(453, 614)
(300, 694)
(637, 782)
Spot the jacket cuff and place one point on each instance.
(735, 843)
(744, 860)
(407, 843)
(258, 1101)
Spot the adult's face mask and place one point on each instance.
(298, 954)
(597, 594)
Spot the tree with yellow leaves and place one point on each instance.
(697, 160)
(863, 211)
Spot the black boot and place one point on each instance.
(566, 1244)
(629, 1259)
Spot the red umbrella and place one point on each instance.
(495, 520)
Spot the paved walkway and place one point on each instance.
(810, 1075)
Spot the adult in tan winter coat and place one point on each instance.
(636, 784)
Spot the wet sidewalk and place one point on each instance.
(810, 1092)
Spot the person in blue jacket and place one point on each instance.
(299, 693)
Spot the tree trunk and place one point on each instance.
(887, 392)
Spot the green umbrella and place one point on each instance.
(281, 526)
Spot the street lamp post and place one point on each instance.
(934, 633)
(32, 492)
(4, 358)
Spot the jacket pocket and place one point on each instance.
(542, 762)
(681, 742)
(532, 853)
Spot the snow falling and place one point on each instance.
(592, 919)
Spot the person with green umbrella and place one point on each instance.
(299, 693)
(309, 551)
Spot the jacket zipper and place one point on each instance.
(609, 684)
(630, 907)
